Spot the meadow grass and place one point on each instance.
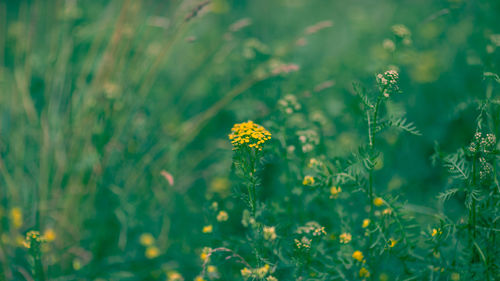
(249, 140)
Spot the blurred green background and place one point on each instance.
(97, 98)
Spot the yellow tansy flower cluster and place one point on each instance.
(207, 229)
(366, 223)
(249, 134)
(49, 235)
(335, 191)
(303, 243)
(308, 180)
(345, 238)
(33, 238)
(148, 241)
(364, 273)
(16, 216)
(358, 255)
(222, 216)
(260, 272)
(174, 276)
(205, 254)
(378, 201)
(436, 232)
(269, 233)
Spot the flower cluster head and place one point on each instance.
(205, 254)
(33, 239)
(436, 232)
(16, 216)
(366, 223)
(400, 30)
(485, 171)
(308, 139)
(222, 216)
(308, 180)
(207, 229)
(335, 191)
(402, 33)
(174, 276)
(378, 201)
(148, 241)
(314, 163)
(358, 255)
(303, 243)
(269, 233)
(313, 228)
(484, 145)
(260, 272)
(364, 273)
(345, 238)
(289, 104)
(248, 134)
(388, 82)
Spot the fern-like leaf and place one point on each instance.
(402, 124)
(456, 165)
(445, 196)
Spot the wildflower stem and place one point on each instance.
(375, 115)
(39, 275)
(472, 212)
(252, 194)
(372, 127)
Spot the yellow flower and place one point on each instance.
(262, 271)
(358, 255)
(199, 278)
(436, 232)
(303, 243)
(387, 211)
(174, 276)
(49, 235)
(16, 215)
(335, 191)
(378, 201)
(245, 272)
(249, 134)
(146, 239)
(313, 163)
(345, 238)
(211, 269)
(392, 242)
(33, 239)
(364, 273)
(221, 186)
(269, 233)
(308, 180)
(271, 278)
(205, 254)
(366, 223)
(152, 252)
(222, 216)
(207, 229)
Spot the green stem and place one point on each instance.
(372, 132)
(35, 252)
(252, 193)
(39, 275)
(472, 212)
